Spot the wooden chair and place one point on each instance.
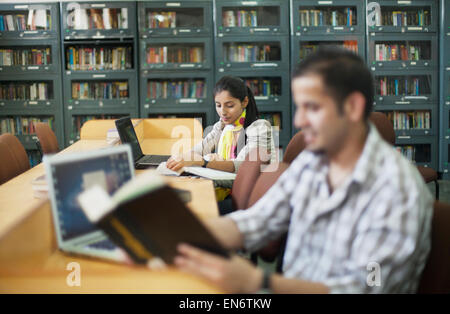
(436, 275)
(13, 157)
(47, 140)
(387, 132)
(295, 146)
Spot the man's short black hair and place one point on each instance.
(342, 73)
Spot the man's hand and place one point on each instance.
(234, 275)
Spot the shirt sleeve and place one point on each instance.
(259, 135)
(207, 145)
(269, 217)
(392, 243)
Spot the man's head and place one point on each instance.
(333, 93)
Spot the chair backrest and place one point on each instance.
(246, 177)
(13, 157)
(47, 139)
(296, 146)
(266, 179)
(384, 126)
(436, 275)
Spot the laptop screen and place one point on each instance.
(71, 177)
(128, 135)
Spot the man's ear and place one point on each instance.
(354, 106)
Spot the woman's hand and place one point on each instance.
(177, 162)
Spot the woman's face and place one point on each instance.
(229, 108)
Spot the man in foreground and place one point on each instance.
(350, 202)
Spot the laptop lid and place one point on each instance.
(70, 174)
(128, 135)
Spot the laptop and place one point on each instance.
(70, 174)
(128, 135)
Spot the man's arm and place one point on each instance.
(238, 275)
(226, 231)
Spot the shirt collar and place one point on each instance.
(363, 165)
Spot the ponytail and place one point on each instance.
(252, 113)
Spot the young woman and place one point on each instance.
(238, 132)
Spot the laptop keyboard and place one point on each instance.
(153, 159)
(103, 245)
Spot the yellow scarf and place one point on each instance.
(227, 148)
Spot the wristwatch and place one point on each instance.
(265, 286)
(205, 161)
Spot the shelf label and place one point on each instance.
(406, 137)
(249, 2)
(325, 2)
(262, 65)
(188, 100)
(189, 65)
(30, 32)
(338, 28)
(413, 63)
(32, 102)
(69, 107)
(261, 97)
(98, 75)
(21, 7)
(415, 28)
(261, 29)
(416, 97)
(184, 30)
(98, 5)
(33, 68)
(402, 102)
(173, 4)
(98, 36)
(404, 1)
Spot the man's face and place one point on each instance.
(317, 115)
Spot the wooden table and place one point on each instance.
(31, 263)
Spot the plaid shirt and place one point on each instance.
(381, 213)
(259, 134)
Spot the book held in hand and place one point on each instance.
(147, 218)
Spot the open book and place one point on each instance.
(147, 218)
(208, 173)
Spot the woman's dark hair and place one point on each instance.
(238, 89)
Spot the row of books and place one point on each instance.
(107, 18)
(264, 87)
(410, 120)
(23, 125)
(251, 53)
(174, 54)
(240, 18)
(408, 151)
(328, 17)
(162, 19)
(273, 118)
(308, 48)
(408, 52)
(26, 91)
(25, 56)
(396, 86)
(99, 90)
(176, 89)
(103, 58)
(30, 20)
(406, 18)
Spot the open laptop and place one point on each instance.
(128, 135)
(70, 174)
